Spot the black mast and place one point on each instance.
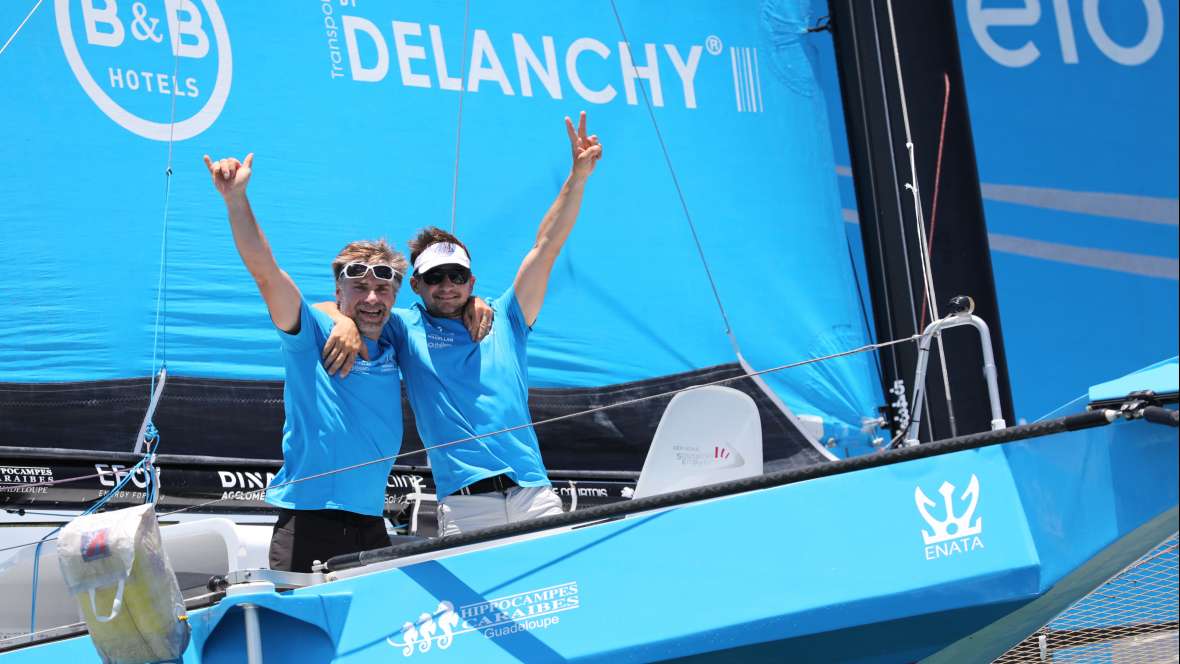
(927, 44)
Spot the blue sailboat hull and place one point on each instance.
(840, 568)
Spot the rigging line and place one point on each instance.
(148, 435)
(923, 249)
(676, 182)
(876, 220)
(885, 107)
(946, 105)
(774, 398)
(67, 480)
(160, 332)
(766, 389)
(905, 249)
(459, 119)
(20, 27)
(20, 511)
(860, 296)
(558, 418)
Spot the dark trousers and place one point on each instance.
(303, 536)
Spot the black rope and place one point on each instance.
(1163, 416)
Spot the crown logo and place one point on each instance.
(953, 526)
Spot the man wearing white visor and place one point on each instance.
(466, 391)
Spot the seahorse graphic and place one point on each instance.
(448, 620)
(426, 628)
(409, 636)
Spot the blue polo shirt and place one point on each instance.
(459, 388)
(335, 423)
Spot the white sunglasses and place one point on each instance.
(361, 270)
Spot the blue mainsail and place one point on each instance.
(352, 109)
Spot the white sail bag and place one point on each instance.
(114, 565)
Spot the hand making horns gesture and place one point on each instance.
(230, 176)
(586, 149)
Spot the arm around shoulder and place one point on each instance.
(344, 342)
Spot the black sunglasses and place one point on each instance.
(458, 276)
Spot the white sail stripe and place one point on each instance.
(742, 80)
(737, 93)
(1107, 259)
(750, 82)
(1126, 262)
(1147, 209)
(745, 81)
(757, 79)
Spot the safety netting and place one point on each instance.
(1131, 618)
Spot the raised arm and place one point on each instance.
(282, 297)
(532, 279)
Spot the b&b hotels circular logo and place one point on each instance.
(135, 59)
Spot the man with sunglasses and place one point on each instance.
(332, 422)
(462, 390)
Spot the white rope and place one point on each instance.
(160, 341)
(919, 218)
(913, 184)
(21, 26)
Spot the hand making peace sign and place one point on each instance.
(586, 149)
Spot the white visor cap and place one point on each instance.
(441, 253)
